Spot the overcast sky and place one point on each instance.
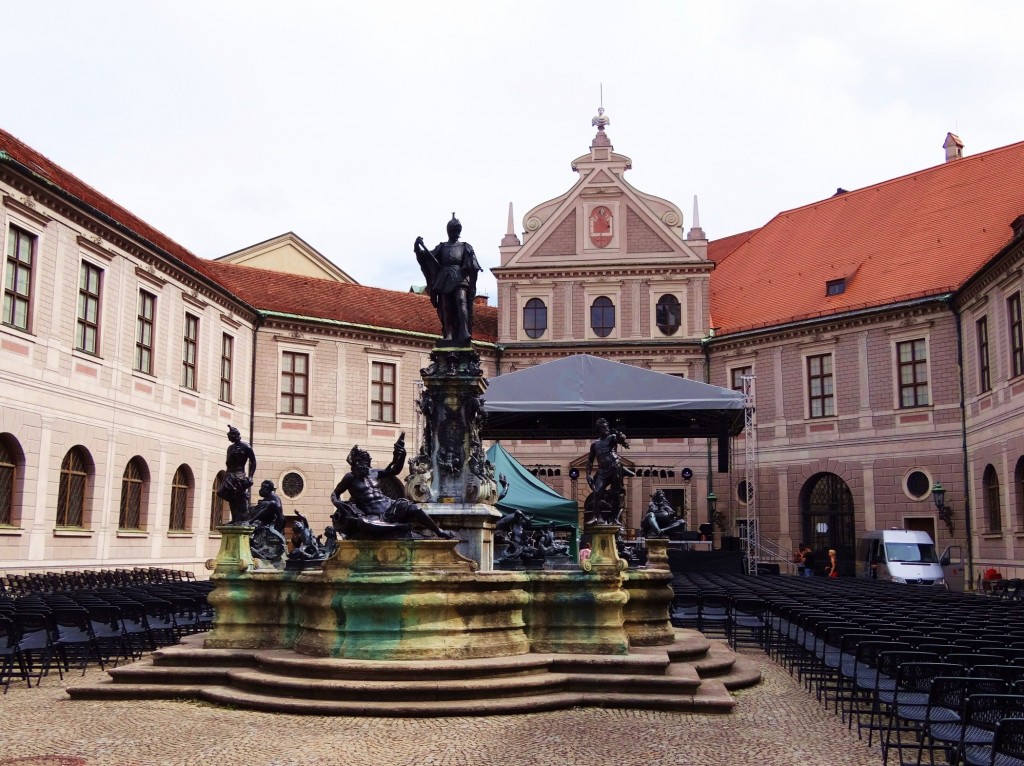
(361, 125)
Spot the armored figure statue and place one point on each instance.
(660, 520)
(606, 484)
(369, 513)
(237, 481)
(451, 270)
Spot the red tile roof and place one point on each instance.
(919, 235)
(54, 175)
(328, 299)
(262, 289)
(720, 249)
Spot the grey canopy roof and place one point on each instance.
(563, 398)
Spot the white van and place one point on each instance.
(899, 555)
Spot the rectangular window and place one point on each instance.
(189, 343)
(21, 247)
(382, 392)
(87, 329)
(1016, 335)
(227, 353)
(835, 286)
(913, 373)
(820, 391)
(736, 375)
(294, 383)
(144, 333)
(984, 375)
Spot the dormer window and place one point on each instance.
(835, 286)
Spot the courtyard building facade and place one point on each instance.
(879, 332)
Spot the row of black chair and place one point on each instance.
(925, 669)
(40, 631)
(50, 582)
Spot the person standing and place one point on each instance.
(798, 559)
(833, 567)
(810, 561)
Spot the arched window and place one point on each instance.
(535, 318)
(10, 457)
(134, 483)
(602, 316)
(668, 314)
(990, 489)
(181, 499)
(71, 493)
(220, 511)
(1018, 487)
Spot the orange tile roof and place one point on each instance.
(922, 234)
(262, 289)
(54, 175)
(720, 249)
(329, 299)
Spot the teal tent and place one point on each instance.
(530, 495)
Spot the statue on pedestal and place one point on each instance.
(369, 513)
(661, 519)
(237, 481)
(267, 541)
(606, 486)
(451, 270)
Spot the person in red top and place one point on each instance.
(833, 568)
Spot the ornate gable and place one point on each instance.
(602, 265)
(601, 220)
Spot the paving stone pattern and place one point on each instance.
(776, 722)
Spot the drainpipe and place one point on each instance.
(498, 348)
(968, 529)
(252, 379)
(706, 345)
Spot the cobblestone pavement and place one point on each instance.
(774, 723)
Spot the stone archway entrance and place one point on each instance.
(826, 505)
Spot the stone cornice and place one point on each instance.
(830, 324)
(26, 210)
(97, 224)
(589, 271)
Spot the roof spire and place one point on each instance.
(510, 239)
(696, 232)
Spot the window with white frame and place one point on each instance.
(21, 250)
(912, 372)
(294, 383)
(383, 377)
(144, 332)
(87, 326)
(984, 371)
(1016, 326)
(189, 350)
(820, 386)
(227, 356)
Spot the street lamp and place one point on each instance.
(712, 505)
(945, 512)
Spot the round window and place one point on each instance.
(743, 492)
(292, 484)
(918, 485)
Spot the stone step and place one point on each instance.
(650, 678)
(705, 700)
